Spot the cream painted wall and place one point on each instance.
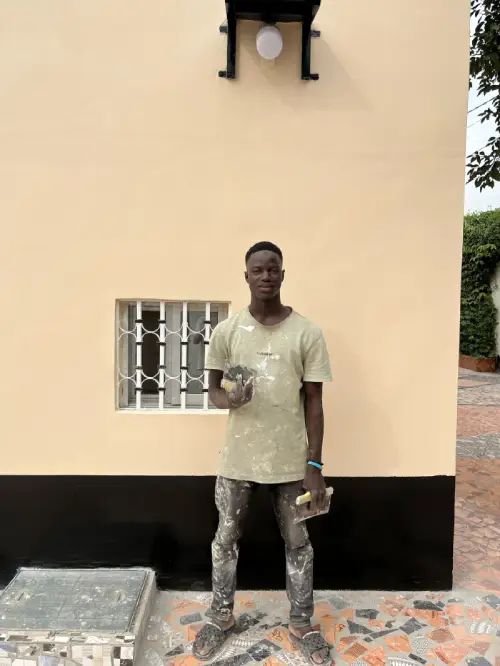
(128, 169)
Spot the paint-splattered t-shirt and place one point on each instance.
(266, 439)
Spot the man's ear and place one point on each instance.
(246, 277)
(282, 275)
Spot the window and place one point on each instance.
(161, 353)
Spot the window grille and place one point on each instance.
(160, 348)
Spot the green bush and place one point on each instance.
(481, 256)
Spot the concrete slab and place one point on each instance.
(85, 616)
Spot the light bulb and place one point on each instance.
(269, 42)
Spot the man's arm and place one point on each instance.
(216, 393)
(315, 425)
(315, 422)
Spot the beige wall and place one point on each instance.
(129, 170)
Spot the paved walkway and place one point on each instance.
(374, 629)
(477, 526)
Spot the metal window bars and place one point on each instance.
(161, 348)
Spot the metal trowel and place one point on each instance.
(303, 506)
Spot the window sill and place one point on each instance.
(162, 412)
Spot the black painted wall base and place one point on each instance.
(382, 533)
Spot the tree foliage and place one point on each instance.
(484, 164)
(481, 256)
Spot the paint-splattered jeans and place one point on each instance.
(232, 499)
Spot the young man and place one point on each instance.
(274, 437)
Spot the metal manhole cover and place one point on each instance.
(72, 599)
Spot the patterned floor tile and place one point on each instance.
(484, 394)
(345, 641)
(356, 628)
(477, 420)
(398, 643)
(338, 603)
(470, 634)
(419, 645)
(468, 383)
(356, 650)
(478, 661)
(292, 659)
(441, 635)
(376, 657)
(367, 613)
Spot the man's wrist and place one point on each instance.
(220, 399)
(315, 464)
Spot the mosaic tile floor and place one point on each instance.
(458, 628)
(366, 629)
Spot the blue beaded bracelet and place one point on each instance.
(313, 463)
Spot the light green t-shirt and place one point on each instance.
(266, 439)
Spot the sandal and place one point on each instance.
(311, 643)
(210, 636)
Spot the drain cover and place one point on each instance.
(80, 614)
(73, 599)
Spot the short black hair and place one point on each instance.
(263, 246)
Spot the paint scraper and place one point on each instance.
(303, 506)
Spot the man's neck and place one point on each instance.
(273, 309)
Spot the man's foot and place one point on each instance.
(211, 638)
(313, 645)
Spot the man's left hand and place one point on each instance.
(315, 484)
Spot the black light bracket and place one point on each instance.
(271, 12)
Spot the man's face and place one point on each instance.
(264, 275)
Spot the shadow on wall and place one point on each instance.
(285, 70)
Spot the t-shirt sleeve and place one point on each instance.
(316, 360)
(217, 355)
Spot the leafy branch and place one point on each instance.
(484, 164)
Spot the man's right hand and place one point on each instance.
(241, 394)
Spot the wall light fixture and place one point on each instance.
(269, 40)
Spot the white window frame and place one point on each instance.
(174, 336)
